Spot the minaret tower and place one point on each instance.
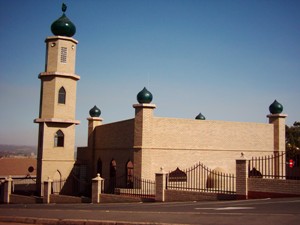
(56, 140)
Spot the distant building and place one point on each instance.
(22, 171)
(17, 167)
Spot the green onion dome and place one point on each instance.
(275, 108)
(144, 96)
(95, 112)
(200, 117)
(63, 26)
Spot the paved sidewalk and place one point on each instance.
(47, 221)
(12, 223)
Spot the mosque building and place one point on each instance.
(139, 146)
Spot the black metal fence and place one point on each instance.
(57, 186)
(72, 186)
(24, 185)
(134, 186)
(138, 187)
(276, 166)
(201, 178)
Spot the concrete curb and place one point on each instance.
(49, 221)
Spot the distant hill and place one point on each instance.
(17, 151)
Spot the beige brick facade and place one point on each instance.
(153, 142)
(51, 85)
(54, 55)
(57, 119)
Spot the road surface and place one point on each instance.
(263, 211)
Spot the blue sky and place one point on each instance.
(227, 59)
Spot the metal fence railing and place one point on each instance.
(276, 166)
(138, 187)
(130, 186)
(201, 178)
(57, 186)
(24, 185)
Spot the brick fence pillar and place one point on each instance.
(47, 190)
(7, 189)
(241, 179)
(160, 185)
(97, 185)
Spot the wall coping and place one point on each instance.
(279, 115)
(56, 120)
(150, 106)
(94, 119)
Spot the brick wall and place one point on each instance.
(22, 199)
(176, 133)
(64, 199)
(263, 188)
(54, 46)
(241, 178)
(115, 135)
(175, 195)
(184, 142)
(154, 142)
(105, 198)
(113, 141)
(181, 143)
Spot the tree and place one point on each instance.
(293, 140)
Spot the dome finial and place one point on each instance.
(64, 7)
(200, 117)
(275, 107)
(95, 112)
(63, 25)
(144, 96)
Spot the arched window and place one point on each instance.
(113, 169)
(129, 174)
(99, 167)
(112, 176)
(62, 96)
(59, 139)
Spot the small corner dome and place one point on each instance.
(95, 112)
(63, 26)
(144, 96)
(200, 117)
(275, 107)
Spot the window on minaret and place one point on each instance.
(63, 54)
(59, 139)
(62, 96)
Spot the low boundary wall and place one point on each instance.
(112, 198)
(23, 199)
(272, 188)
(65, 199)
(178, 195)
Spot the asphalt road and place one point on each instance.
(263, 211)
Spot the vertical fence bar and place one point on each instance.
(194, 176)
(227, 183)
(272, 164)
(265, 168)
